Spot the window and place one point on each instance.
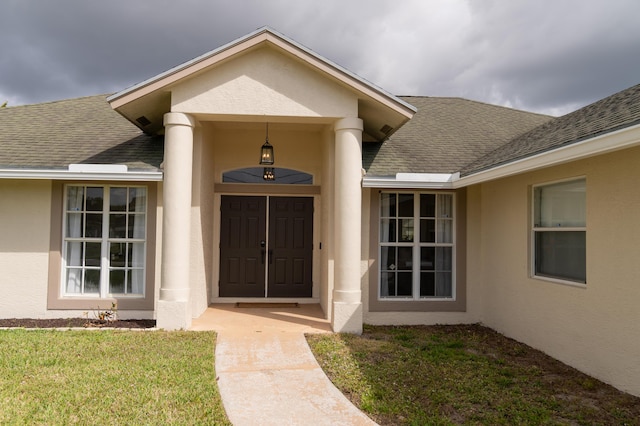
(104, 240)
(255, 175)
(416, 246)
(559, 231)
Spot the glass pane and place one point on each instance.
(443, 284)
(561, 255)
(135, 227)
(116, 281)
(74, 225)
(118, 199)
(93, 254)
(387, 205)
(74, 253)
(445, 232)
(405, 205)
(75, 198)
(388, 231)
(406, 230)
(137, 199)
(94, 199)
(74, 280)
(560, 204)
(135, 281)
(427, 231)
(427, 205)
(117, 254)
(388, 258)
(93, 227)
(445, 205)
(405, 258)
(387, 284)
(117, 225)
(136, 255)
(405, 283)
(92, 281)
(427, 258)
(444, 258)
(427, 284)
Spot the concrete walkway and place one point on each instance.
(267, 374)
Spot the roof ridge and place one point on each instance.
(56, 101)
(477, 102)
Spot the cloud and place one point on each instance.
(548, 57)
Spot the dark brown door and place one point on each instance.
(242, 259)
(290, 246)
(246, 254)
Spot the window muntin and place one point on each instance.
(559, 231)
(104, 240)
(416, 246)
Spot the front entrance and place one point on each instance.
(266, 246)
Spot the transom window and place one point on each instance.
(417, 246)
(104, 240)
(559, 231)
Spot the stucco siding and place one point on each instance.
(24, 247)
(594, 327)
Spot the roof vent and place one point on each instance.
(386, 129)
(143, 121)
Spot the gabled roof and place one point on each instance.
(150, 99)
(445, 135)
(84, 130)
(616, 112)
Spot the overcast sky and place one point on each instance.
(549, 56)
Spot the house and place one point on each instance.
(262, 171)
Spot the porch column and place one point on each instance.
(174, 306)
(347, 298)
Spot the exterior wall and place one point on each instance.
(462, 310)
(25, 227)
(594, 327)
(263, 82)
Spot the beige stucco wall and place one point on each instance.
(25, 208)
(594, 328)
(264, 82)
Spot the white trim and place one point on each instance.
(64, 174)
(602, 144)
(412, 180)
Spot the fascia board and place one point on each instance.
(52, 174)
(609, 142)
(411, 181)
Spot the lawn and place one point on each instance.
(108, 377)
(463, 375)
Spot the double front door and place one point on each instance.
(266, 246)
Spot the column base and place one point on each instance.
(173, 315)
(347, 317)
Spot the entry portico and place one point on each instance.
(213, 112)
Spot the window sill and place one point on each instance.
(560, 281)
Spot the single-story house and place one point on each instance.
(262, 171)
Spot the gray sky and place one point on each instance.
(549, 56)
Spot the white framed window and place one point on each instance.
(104, 240)
(417, 246)
(559, 231)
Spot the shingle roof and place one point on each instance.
(607, 115)
(445, 135)
(84, 130)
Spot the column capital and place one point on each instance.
(347, 123)
(179, 119)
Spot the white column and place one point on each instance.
(174, 307)
(347, 297)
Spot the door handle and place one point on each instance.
(262, 253)
(270, 256)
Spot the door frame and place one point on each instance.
(263, 190)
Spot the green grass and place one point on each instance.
(108, 377)
(442, 375)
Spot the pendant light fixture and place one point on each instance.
(267, 158)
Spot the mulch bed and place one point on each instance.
(75, 322)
